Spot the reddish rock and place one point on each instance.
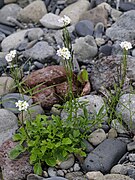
(86, 90)
(49, 75)
(45, 96)
(13, 169)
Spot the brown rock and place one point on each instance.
(50, 75)
(96, 15)
(45, 96)
(13, 169)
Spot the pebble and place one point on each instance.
(52, 172)
(67, 163)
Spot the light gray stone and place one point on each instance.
(9, 10)
(123, 28)
(41, 51)
(97, 136)
(125, 107)
(112, 133)
(118, 126)
(33, 12)
(8, 125)
(13, 41)
(95, 175)
(51, 21)
(67, 163)
(117, 177)
(52, 172)
(75, 10)
(85, 48)
(35, 34)
(9, 1)
(7, 85)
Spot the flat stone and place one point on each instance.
(131, 146)
(36, 177)
(67, 163)
(74, 175)
(13, 169)
(35, 34)
(117, 177)
(105, 156)
(33, 12)
(95, 175)
(7, 85)
(126, 6)
(39, 53)
(75, 10)
(9, 100)
(84, 28)
(8, 125)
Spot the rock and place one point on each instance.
(67, 163)
(106, 50)
(96, 137)
(13, 169)
(74, 175)
(115, 14)
(60, 173)
(131, 146)
(126, 6)
(99, 30)
(133, 52)
(120, 169)
(41, 51)
(75, 10)
(84, 28)
(13, 41)
(36, 177)
(112, 133)
(131, 157)
(9, 100)
(35, 34)
(1, 3)
(8, 125)
(93, 105)
(118, 126)
(76, 167)
(7, 85)
(85, 48)
(105, 156)
(10, 10)
(125, 106)
(117, 177)
(33, 12)
(9, 1)
(51, 21)
(32, 112)
(2, 36)
(95, 175)
(97, 14)
(89, 147)
(52, 172)
(123, 28)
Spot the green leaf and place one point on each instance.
(66, 141)
(83, 76)
(76, 133)
(33, 158)
(50, 161)
(17, 137)
(38, 168)
(43, 149)
(14, 153)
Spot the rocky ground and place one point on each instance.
(97, 28)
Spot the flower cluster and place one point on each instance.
(10, 56)
(64, 53)
(66, 20)
(22, 105)
(126, 45)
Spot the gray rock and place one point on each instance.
(133, 52)
(105, 156)
(85, 48)
(131, 146)
(67, 163)
(115, 14)
(52, 172)
(93, 105)
(35, 34)
(95, 175)
(75, 10)
(34, 177)
(3, 63)
(14, 40)
(131, 157)
(32, 112)
(123, 28)
(112, 133)
(9, 1)
(106, 50)
(117, 177)
(99, 30)
(74, 175)
(33, 12)
(7, 85)
(51, 21)
(10, 10)
(120, 169)
(118, 126)
(41, 51)
(89, 147)
(2, 36)
(56, 178)
(84, 28)
(8, 125)
(8, 101)
(126, 6)
(60, 173)
(125, 107)
(1, 3)
(76, 167)
(96, 137)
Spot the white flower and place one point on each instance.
(10, 56)
(22, 105)
(66, 20)
(126, 45)
(64, 53)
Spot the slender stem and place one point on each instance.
(23, 125)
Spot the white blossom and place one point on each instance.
(22, 105)
(66, 20)
(64, 53)
(10, 56)
(126, 45)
